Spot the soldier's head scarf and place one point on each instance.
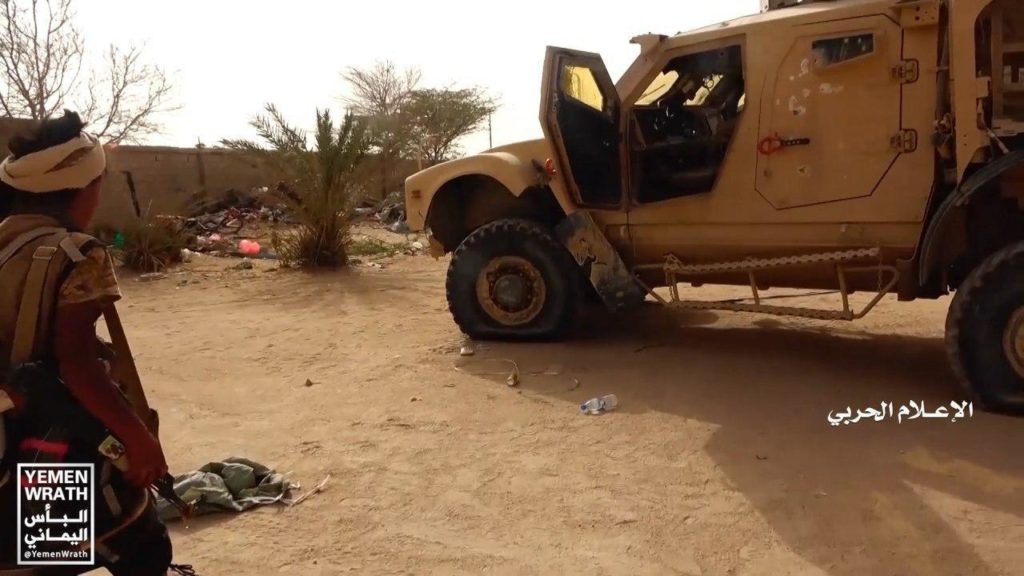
(68, 166)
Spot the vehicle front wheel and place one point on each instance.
(985, 332)
(511, 280)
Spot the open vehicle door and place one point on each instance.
(580, 116)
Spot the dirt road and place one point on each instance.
(720, 461)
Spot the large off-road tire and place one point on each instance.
(985, 332)
(511, 280)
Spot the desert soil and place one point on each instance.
(720, 460)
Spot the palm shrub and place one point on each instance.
(319, 189)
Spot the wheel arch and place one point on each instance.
(469, 201)
(945, 240)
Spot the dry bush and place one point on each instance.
(152, 244)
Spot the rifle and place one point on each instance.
(48, 409)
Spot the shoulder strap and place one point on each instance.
(41, 276)
(24, 240)
(31, 300)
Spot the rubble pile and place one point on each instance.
(390, 212)
(228, 225)
(231, 225)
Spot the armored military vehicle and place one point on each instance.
(848, 145)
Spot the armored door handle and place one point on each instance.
(771, 144)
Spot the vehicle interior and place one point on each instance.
(681, 127)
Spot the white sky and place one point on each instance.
(228, 57)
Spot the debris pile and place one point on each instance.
(219, 228)
(390, 212)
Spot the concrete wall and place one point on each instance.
(168, 180)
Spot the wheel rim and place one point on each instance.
(511, 290)
(1013, 341)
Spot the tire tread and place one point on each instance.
(510, 226)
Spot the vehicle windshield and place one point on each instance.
(659, 88)
(696, 85)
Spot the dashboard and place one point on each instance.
(668, 126)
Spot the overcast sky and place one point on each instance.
(228, 57)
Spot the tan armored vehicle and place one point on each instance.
(849, 145)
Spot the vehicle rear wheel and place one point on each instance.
(985, 332)
(511, 280)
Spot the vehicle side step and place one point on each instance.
(812, 313)
(674, 265)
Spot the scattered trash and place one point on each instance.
(152, 277)
(467, 351)
(417, 245)
(187, 255)
(415, 399)
(316, 490)
(391, 210)
(600, 405)
(513, 379)
(759, 457)
(575, 385)
(245, 264)
(399, 227)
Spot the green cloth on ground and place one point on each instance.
(233, 485)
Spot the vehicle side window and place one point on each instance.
(579, 84)
(833, 51)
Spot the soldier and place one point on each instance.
(52, 181)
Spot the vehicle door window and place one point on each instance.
(586, 115)
(682, 125)
(579, 84)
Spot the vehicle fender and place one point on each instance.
(963, 195)
(514, 173)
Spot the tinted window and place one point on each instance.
(580, 84)
(837, 50)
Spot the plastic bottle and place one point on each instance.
(600, 405)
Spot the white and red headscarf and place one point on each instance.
(71, 165)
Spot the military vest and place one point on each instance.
(26, 239)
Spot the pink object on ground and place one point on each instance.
(249, 247)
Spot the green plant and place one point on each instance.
(320, 191)
(152, 244)
(373, 247)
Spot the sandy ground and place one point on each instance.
(720, 460)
